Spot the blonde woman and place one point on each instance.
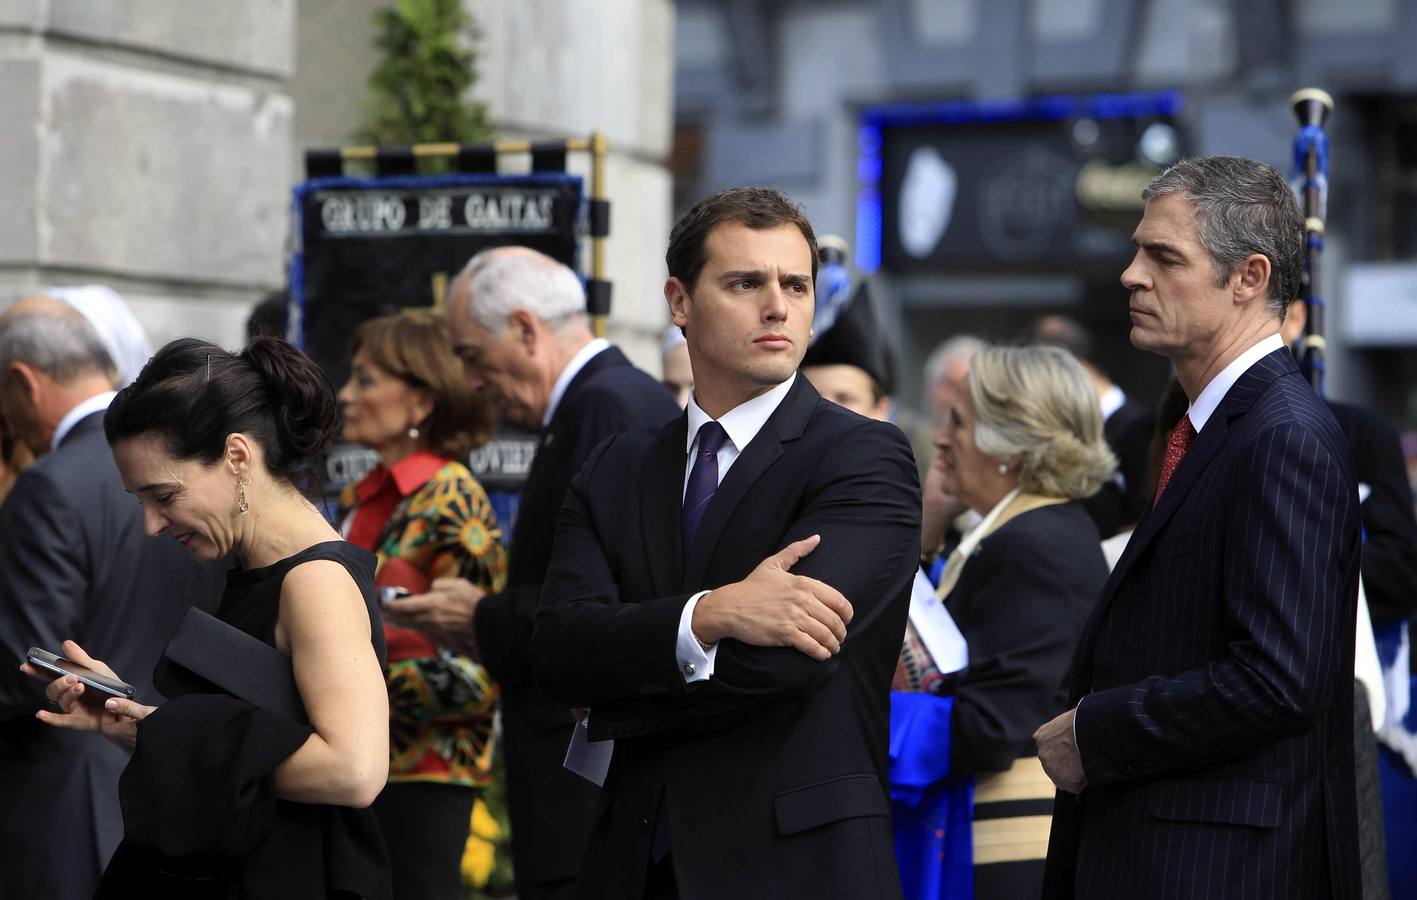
(1021, 444)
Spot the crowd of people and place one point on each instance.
(779, 638)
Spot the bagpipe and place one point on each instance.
(1310, 181)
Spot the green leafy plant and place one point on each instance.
(427, 65)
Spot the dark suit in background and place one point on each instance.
(1216, 722)
(1118, 505)
(75, 563)
(1389, 569)
(551, 808)
(1389, 523)
(772, 773)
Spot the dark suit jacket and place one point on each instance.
(772, 772)
(1020, 602)
(1128, 435)
(550, 807)
(1216, 724)
(1389, 524)
(75, 563)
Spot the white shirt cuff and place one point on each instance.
(695, 663)
(1076, 710)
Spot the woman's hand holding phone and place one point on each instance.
(114, 718)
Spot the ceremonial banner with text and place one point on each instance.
(372, 246)
(369, 247)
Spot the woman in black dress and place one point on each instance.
(222, 798)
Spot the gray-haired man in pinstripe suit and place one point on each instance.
(1209, 751)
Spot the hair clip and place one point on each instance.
(209, 369)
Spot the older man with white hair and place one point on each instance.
(74, 563)
(518, 323)
(119, 330)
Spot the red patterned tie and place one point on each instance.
(1176, 446)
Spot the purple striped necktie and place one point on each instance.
(703, 480)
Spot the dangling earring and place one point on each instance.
(413, 432)
(242, 506)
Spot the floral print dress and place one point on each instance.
(442, 705)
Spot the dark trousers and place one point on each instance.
(425, 829)
(1372, 841)
(565, 889)
(660, 883)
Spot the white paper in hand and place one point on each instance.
(936, 627)
(590, 760)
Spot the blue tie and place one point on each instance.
(703, 481)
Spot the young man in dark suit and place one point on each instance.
(1211, 753)
(517, 320)
(728, 596)
(74, 563)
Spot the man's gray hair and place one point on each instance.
(502, 279)
(61, 346)
(960, 347)
(1241, 207)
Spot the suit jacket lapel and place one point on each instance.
(1238, 400)
(1206, 445)
(608, 358)
(605, 359)
(555, 430)
(785, 424)
(661, 503)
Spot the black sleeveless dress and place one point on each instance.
(234, 838)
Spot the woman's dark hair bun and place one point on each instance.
(306, 410)
(193, 394)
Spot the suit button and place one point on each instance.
(644, 826)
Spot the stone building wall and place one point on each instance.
(146, 147)
(151, 145)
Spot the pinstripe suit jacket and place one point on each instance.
(1215, 673)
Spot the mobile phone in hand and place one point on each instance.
(58, 665)
(392, 594)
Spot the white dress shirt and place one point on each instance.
(96, 403)
(1111, 401)
(1210, 396)
(573, 368)
(741, 423)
